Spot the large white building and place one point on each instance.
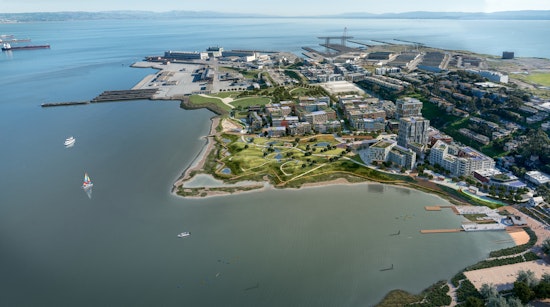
(537, 177)
(459, 160)
(388, 150)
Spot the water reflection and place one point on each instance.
(375, 188)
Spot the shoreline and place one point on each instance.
(200, 159)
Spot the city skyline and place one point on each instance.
(280, 8)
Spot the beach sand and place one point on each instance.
(519, 235)
(503, 277)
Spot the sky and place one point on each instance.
(278, 7)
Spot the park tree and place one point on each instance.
(522, 291)
(497, 301)
(487, 291)
(542, 290)
(473, 301)
(514, 302)
(528, 277)
(546, 250)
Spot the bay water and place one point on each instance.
(324, 246)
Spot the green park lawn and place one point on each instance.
(538, 78)
(250, 101)
(291, 163)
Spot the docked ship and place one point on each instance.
(8, 47)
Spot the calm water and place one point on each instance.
(313, 247)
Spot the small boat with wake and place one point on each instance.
(69, 141)
(184, 234)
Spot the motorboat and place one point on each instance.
(69, 141)
(184, 234)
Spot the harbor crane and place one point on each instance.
(343, 38)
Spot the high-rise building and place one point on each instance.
(413, 130)
(407, 107)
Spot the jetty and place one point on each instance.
(110, 96)
(125, 95)
(441, 230)
(361, 43)
(59, 104)
(438, 208)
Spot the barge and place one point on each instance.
(8, 47)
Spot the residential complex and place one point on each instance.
(413, 130)
(407, 107)
(459, 160)
(388, 150)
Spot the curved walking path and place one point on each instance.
(227, 100)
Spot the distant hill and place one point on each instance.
(518, 15)
(63, 16)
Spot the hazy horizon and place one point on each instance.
(280, 8)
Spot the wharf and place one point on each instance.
(361, 43)
(327, 55)
(339, 48)
(438, 208)
(410, 42)
(441, 230)
(109, 96)
(59, 104)
(383, 42)
(125, 95)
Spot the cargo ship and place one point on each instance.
(8, 47)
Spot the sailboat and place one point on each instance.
(87, 185)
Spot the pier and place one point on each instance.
(60, 104)
(361, 43)
(109, 96)
(441, 230)
(383, 42)
(410, 42)
(438, 208)
(125, 95)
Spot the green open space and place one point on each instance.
(202, 101)
(250, 101)
(535, 77)
(289, 162)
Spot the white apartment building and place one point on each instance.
(460, 161)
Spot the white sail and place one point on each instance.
(87, 182)
(87, 185)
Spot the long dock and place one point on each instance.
(109, 96)
(125, 95)
(361, 43)
(410, 42)
(440, 230)
(60, 104)
(438, 208)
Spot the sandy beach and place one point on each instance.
(503, 277)
(200, 159)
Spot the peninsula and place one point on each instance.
(471, 128)
(392, 112)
